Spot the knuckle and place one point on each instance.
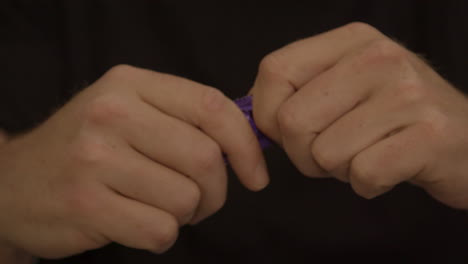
(166, 235)
(434, 122)
(190, 198)
(213, 109)
(121, 71)
(366, 181)
(382, 51)
(411, 91)
(270, 66)
(323, 156)
(209, 157)
(106, 110)
(433, 125)
(360, 28)
(288, 119)
(362, 173)
(213, 99)
(90, 152)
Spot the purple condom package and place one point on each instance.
(245, 104)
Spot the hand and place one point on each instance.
(129, 160)
(353, 104)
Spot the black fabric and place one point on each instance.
(50, 50)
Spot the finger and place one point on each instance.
(330, 96)
(288, 69)
(381, 115)
(208, 109)
(171, 142)
(135, 224)
(143, 180)
(400, 157)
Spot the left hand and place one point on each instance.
(355, 105)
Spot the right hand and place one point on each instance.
(128, 160)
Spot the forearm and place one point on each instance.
(10, 255)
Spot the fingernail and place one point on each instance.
(261, 177)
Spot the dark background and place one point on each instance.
(49, 50)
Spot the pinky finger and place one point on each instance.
(397, 158)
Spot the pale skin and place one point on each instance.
(10, 254)
(139, 153)
(130, 159)
(355, 105)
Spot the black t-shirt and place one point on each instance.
(49, 50)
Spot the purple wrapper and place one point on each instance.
(245, 104)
